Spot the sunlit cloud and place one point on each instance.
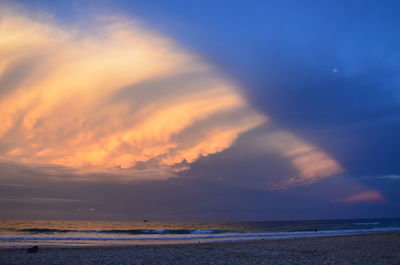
(312, 163)
(110, 98)
(113, 99)
(365, 196)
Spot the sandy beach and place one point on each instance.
(358, 249)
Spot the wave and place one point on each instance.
(367, 223)
(192, 237)
(35, 230)
(163, 231)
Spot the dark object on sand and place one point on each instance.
(145, 221)
(33, 249)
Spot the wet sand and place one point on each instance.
(357, 249)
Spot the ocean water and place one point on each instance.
(14, 233)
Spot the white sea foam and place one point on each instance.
(367, 223)
(77, 239)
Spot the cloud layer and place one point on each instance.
(116, 97)
(366, 196)
(113, 97)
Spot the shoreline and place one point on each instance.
(176, 244)
(380, 248)
(87, 242)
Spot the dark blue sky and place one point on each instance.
(327, 71)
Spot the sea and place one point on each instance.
(21, 233)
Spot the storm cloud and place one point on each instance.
(115, 97)
(211, 110)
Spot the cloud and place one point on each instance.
(390, 177)
(312, 164)
(86, 210)
(40, 200)
(66, 109)
(365, 196)
(113, 99)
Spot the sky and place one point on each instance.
(199, 110)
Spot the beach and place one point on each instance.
(355, 249)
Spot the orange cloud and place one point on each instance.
(109, 98)
(312, 163)
(114, 95)
(365, 196)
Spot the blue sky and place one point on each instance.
(327, 72)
